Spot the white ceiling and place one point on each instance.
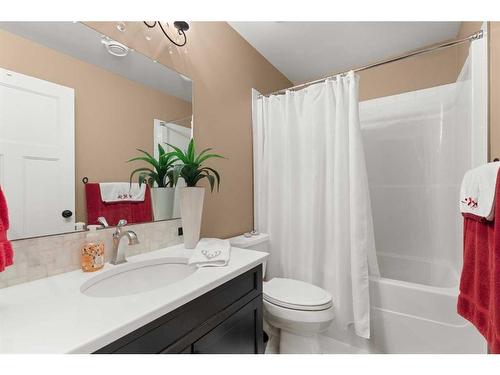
(303, 51)
(84, 43)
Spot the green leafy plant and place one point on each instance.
(161, 170)
(191, 168)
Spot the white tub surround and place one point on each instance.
(51, 315)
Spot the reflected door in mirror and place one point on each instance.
(37, 154)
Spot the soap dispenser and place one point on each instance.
(92, 252)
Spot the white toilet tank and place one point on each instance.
(259, 242)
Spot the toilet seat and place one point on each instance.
(303, 322)
(296, 295)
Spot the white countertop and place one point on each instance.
(51, 315)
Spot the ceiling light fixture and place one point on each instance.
(181, 27)
(115, 48)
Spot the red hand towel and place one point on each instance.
(479, 298)
(6, 253)
(133, 212)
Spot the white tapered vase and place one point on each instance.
(191, 203)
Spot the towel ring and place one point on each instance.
(85, 179)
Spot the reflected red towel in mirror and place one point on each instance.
(479, 298)
(6, 253)
(133, 212)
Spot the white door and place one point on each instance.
(178, 136)
(37, 156)
(174, 134)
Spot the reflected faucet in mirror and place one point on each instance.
(102, 220)
(118, 252)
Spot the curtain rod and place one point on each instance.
(475, 36)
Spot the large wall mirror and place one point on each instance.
(75, 107)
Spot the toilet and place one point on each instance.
(297, 310)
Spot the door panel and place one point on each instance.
(36, 154)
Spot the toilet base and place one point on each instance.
(283, 341)
(273, 345)
(292, 343)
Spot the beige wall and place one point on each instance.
(417, 72)
(494, 56)
(113, 115)
(224, 68)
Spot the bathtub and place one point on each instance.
(413, 310)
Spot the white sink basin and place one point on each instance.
(138, 277)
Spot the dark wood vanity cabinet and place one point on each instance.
(226, 320)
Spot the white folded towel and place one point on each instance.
(122, 192)
(477, 193)
(211, 252)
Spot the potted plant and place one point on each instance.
(160, 179)
(191, 169)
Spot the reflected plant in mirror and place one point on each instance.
(162, 174)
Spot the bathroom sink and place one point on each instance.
(137, 277)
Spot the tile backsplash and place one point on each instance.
(40, 257)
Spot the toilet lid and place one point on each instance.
(297, 295)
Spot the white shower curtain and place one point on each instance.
(312, 196)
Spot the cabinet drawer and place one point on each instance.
(171, 328)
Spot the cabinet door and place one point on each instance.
(241, 333)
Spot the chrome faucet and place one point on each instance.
(118, 254)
